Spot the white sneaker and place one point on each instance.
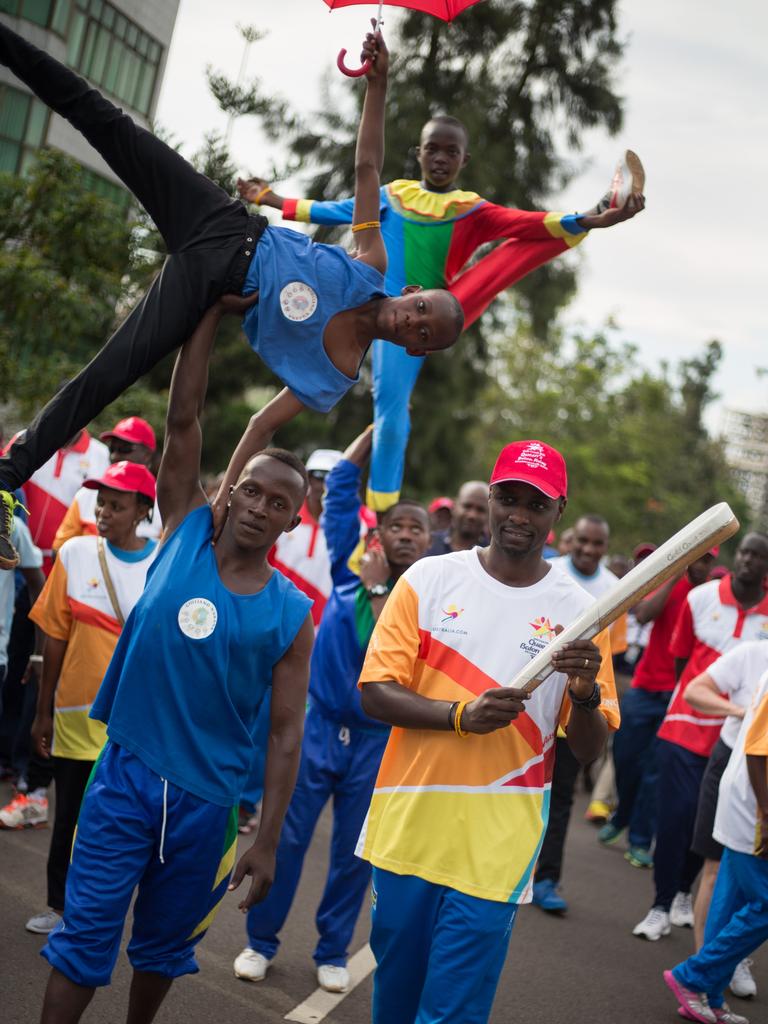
(332, 978)
(742, 983)
(681, 911)
(42, 924)
(25, 812)
(251, 966)
(653, 926)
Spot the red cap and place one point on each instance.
(126, 476)
(534, 463)
(644, 549)
(133, 429)
(438, 503)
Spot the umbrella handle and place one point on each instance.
(351, 72)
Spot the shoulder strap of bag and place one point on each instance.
(108, 581)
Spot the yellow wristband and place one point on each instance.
(366, 225)
(457, 719)
(260, 196)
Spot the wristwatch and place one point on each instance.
(591, 703)
(378, 590)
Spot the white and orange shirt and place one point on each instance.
(470, 812)
(80, 520)
(736, 815)
(50, 490)
(710, 623)
(75, 607)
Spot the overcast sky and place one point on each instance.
(694, 79)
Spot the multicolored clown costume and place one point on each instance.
(430, 236)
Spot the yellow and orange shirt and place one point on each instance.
(74, 606)
(470, 813)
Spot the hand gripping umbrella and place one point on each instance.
(446, 10)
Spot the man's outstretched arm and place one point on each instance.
(306, 211)
(369, 155)
(258, 434)
(178, 483)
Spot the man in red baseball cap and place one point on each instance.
(439, 510)
(131, 440)
(461, 799)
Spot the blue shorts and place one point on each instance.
(135, 829)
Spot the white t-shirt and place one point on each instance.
(599, 583)
(736, 675)
(736, 816)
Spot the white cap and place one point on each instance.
(322, 460)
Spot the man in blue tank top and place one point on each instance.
(319, 307)
(216, 630)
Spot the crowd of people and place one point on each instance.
(182, 662)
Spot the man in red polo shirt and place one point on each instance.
(715, 618)
(642, 711)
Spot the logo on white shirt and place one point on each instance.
(197, 618)
(298, 301)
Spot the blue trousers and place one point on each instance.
(635, 761)
(394, 377)
(439, 953)
(675, 865)
(737, 924)
(340, 763)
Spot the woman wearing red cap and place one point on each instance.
(94, 584)
(131, 440)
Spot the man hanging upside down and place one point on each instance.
(319, 308)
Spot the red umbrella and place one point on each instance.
(446, 10)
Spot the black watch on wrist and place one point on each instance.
(377, 590)
(591, 703)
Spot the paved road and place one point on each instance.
(580, 969)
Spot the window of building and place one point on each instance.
(113, 52)
(23, 123)
(53, 14)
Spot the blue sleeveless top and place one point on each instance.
(301, 285)
(193, 664)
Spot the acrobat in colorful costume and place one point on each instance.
(430, 236)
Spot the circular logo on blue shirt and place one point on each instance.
(298, 301)
(197, 618)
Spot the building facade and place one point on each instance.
(121, 46)
(746, 449)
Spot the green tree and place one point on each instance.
(635, 440)
(63, 260)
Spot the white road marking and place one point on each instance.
(320, 1003)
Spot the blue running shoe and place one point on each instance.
(609, 834)
(547, 896)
